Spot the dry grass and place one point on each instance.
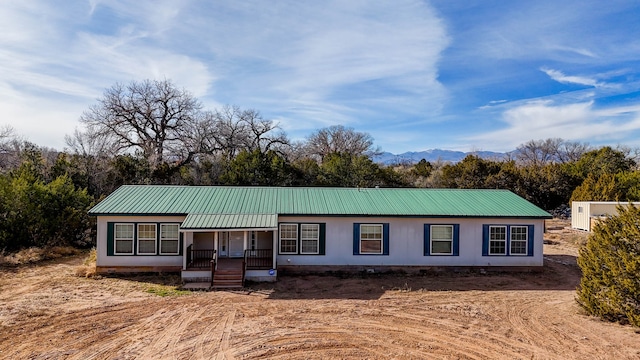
(35, 254)
(88, 267)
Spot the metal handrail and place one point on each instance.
(199, 258)
(259, 258)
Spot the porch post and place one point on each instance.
(275, 247)
(184, 251)
(244, 246)
(215, 242)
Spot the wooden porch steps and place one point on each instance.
(228, 275)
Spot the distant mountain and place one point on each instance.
(412, 157)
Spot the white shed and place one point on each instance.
(585, 213)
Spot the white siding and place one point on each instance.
(406, 243)
(103, 260)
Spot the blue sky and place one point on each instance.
(416, 75)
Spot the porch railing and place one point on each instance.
(199, 259)
(258, 259)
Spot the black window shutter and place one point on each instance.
(530, 239)
(356, 239)
(456, 240)
(485, 240)
(110, 239)
(385, 239)
(322, 239)
(427, 242)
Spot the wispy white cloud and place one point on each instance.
(411, 72)
(306, 65)
(560, 77)
(56, 61)
(577, 121)
(319, 57)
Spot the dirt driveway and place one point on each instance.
(46, 312)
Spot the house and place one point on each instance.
(584, 214)
(200, 230)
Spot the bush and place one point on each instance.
(38, 214)
(610, 263)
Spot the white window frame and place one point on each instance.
(316, 239)
(141, 239)
(116, 238)
(381, 239)
(431, 239)
(506, 237)
(525, 241)
(280, 238)
(177, 239)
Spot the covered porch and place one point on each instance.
(221, 248)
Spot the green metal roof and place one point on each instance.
(184, 200)
(230, 221)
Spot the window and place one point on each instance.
(253, 240)
(288, 238)
(123, 239)
(169, 239)
(508, 240)
(371, 239)
(497, 240)
(143, 239)
(580, 209)
(146, 239)
(441, 239)
(309, 238)
(303, 239)
(518, 242)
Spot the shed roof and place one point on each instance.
(184, 200)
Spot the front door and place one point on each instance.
(236, 244)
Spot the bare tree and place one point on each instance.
(340, 139)
(10, 148)
(152, 117)
(87, 143)
(634, 154)
(538, 152)
(552, 150)
(231, 130)
(572, 151)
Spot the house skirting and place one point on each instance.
(137, 269)
(318, 269)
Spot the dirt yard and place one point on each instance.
(47, 312)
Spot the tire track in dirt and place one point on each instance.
(447, 330)
(371, 332)
(532, 320)
(224, 348)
